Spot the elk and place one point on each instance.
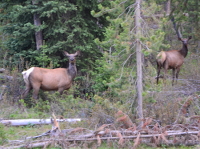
(172, 59)
(59, 79)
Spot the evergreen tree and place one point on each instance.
(65, 25)
(116, 71)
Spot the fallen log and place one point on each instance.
(23, 122)
(2, 70)
(91, 137)
(6, 77)
(178, 134)
(31, 145)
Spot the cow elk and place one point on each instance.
(58, 79)
(172, 59)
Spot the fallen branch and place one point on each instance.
(154, 135)
(84, 137)
(91, 136)
(46, 142)
(23, 122)
(31, 145)
(2, 70)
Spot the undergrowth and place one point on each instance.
(161, 102)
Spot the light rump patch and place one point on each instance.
(26, 74)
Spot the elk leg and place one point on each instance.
(35, 93)
(173, 76)
(36, 88)
(177, 73)
(165, 70)
(164, 75)
(158, 72)
(60, 90)
(26, 91)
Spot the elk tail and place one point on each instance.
(26, 75)
(161, 57)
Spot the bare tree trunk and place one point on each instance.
(168, 7)
(139, 59)
(37, 22)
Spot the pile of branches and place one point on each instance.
(123, 132)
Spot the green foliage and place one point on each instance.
(186, 15)
(42, 106)
(66, 26)
(3, 137)
(115, 73)
(42, 57)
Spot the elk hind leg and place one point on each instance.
(26, 91)
(158, 72)
(36, 88)
(60, 90)
(164, 76)
(165, 71)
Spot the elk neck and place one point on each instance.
(72, 71)
(184, 50)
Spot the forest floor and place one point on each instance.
(172, 120)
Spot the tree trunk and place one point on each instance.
(37, 22)
(139, 59)
(168, 7)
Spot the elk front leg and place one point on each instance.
(177, 73)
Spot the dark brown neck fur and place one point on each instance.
(72, 71)
(184, 50)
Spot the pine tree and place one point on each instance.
(116, 71)
(65, 26)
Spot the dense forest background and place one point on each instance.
(36, 32)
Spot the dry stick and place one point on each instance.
(46, 143)
(125, 132)
(129, 137)
(87, 137)
(180, 111)
(32, 145)
(43, 134)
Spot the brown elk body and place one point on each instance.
(172, 59)
(58, 79)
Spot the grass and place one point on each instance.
(160, 106)
(105, 146)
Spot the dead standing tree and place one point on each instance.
(139, 59)
(37, 23)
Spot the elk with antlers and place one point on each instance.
(59, 79)
(172, 59)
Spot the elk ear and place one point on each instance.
(66, 53)
(77, 53)
(190, 37)
(179, 38)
